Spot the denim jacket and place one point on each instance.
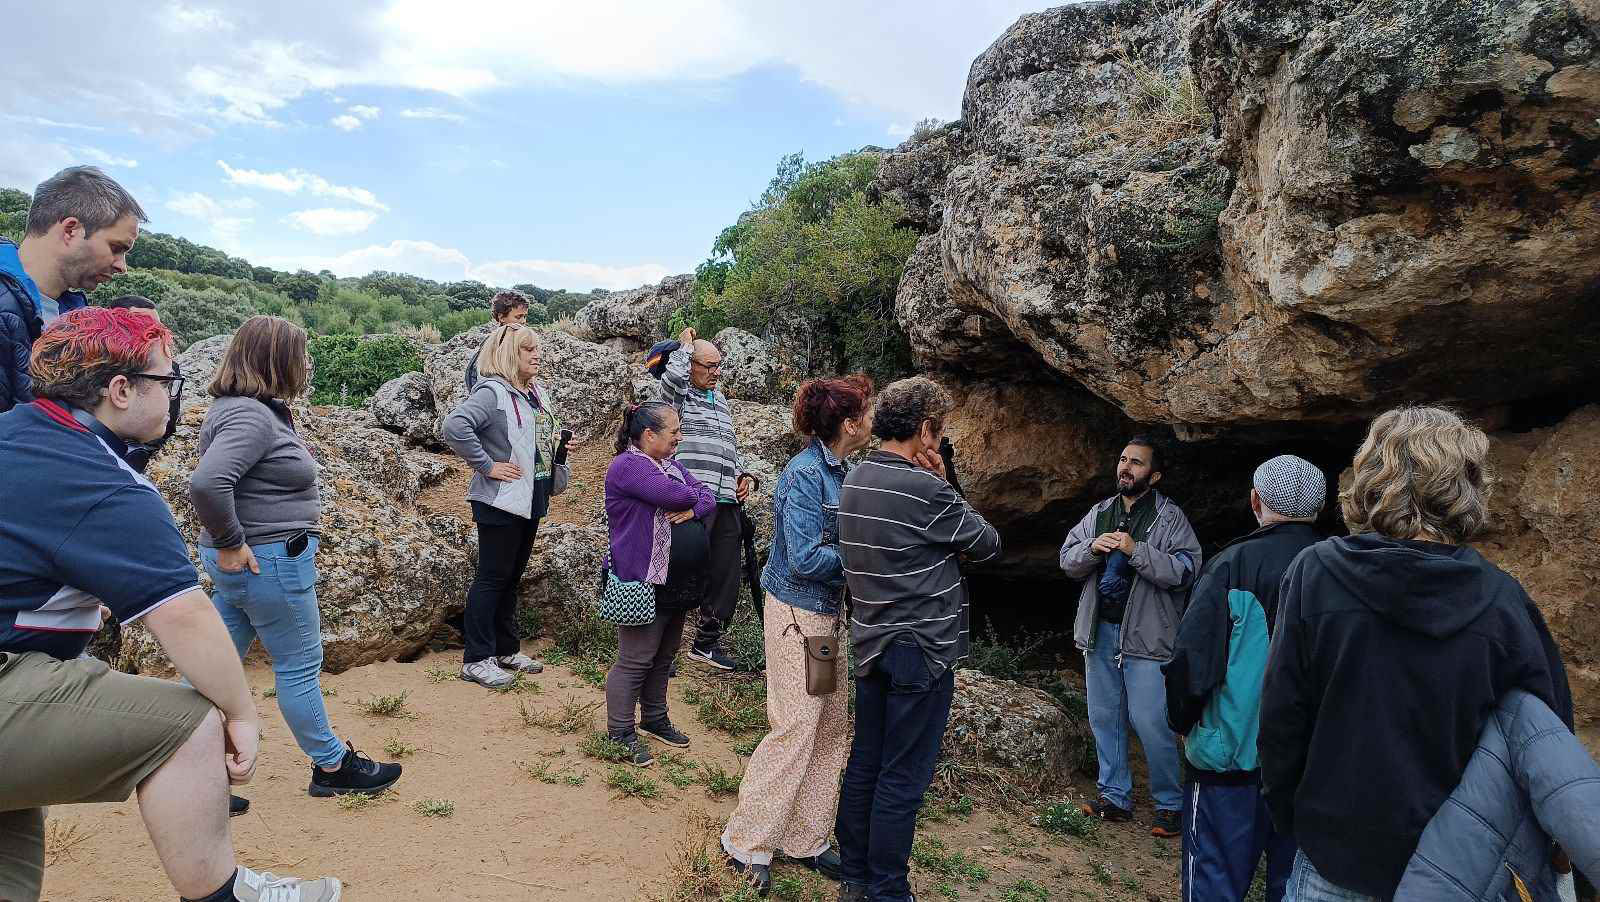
(805, 569)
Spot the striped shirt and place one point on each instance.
(708, 449)
(901, 533)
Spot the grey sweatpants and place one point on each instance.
(639, 678)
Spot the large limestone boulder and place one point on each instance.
(750, 371)
(199, 364)
(1546, 533)
(635, 316)
(588, 383)
(1397, 221)
(1020, 734)
(913, 174)
(405, 405)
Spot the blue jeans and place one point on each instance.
(901, 713)
(279, 605)
(1225, 831)
(1306, 885)
(1119, 692)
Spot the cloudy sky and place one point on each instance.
(602, 143)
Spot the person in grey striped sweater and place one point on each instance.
(710, 452)
(903, 530)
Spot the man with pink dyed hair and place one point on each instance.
(84, 529)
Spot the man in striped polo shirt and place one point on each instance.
(902, 530)
(710, 452)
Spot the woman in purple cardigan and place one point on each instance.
(656, 512)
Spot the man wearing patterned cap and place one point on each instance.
(1214, 688)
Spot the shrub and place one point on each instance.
(193, 314)
(350, 369)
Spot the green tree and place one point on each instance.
(194, 314)
(349, 369)
(302, 286)
(138, 281)
(469, 293)
(14, 201)
(812, 245)
(155, 251)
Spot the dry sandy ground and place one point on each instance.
(514, 837)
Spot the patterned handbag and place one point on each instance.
(627, 603)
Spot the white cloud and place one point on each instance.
(184, 18)
(51, 123)
(345, 123)
(294, 181)
(432, 113)
(363, 111)
(447, 264)
(100, 158)
(896, 130)
(328, 221)
(202, 207)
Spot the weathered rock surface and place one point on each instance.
(913, 174)
(1023, 733)
(588, 383)
(1546, 533)
(405, 405)
(636, 316)
(750, 371)
(199, 364)
(1402, 186)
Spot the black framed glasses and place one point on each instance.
(710, 367)
(174, 383)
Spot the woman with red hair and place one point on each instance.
(791, 787)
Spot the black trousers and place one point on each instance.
(490, 622)
(722, 576)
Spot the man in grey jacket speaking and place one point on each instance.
(1137, 557)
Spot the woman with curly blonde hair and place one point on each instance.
(1392, 646)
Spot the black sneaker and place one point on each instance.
(850, 892)
(665, 732)
(713, 657)
(1106, 811)
(1167, 824)
(827, 864)
(237, 805)
(356, 773)
(638, 751)
(757, 876)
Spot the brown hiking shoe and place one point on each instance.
(1167, 824)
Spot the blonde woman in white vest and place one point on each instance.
(506, 430)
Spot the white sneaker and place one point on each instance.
(522, 662)
(486, 673)
(248, 886)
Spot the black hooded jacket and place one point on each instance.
(1387, 658)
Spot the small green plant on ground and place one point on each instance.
(930, 855)
(628, 782)
(1064, 819)
(398, 748)
(732, 704)
(269, 692)
(329, 692)
(718, 781)
(519, 684)
(938, 809)
(435, 807)
(540, 770)
(601, 747)
(678, 769)
(441, 674)
(746, 747)
(387, 706)
(361, 801)
(1101, 872)
(572, 716)
(1024, 891)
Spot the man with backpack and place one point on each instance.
(710, 452)
(1214, 688)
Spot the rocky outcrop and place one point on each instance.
(750, 371)
(1546, 533)
(587, 382)
(913, 174)
(199, 364)
(405, 405)
(1019, 736)
(637, 317)
(1388, 209)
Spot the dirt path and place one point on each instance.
(512, 836)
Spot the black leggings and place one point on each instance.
(490, 622)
